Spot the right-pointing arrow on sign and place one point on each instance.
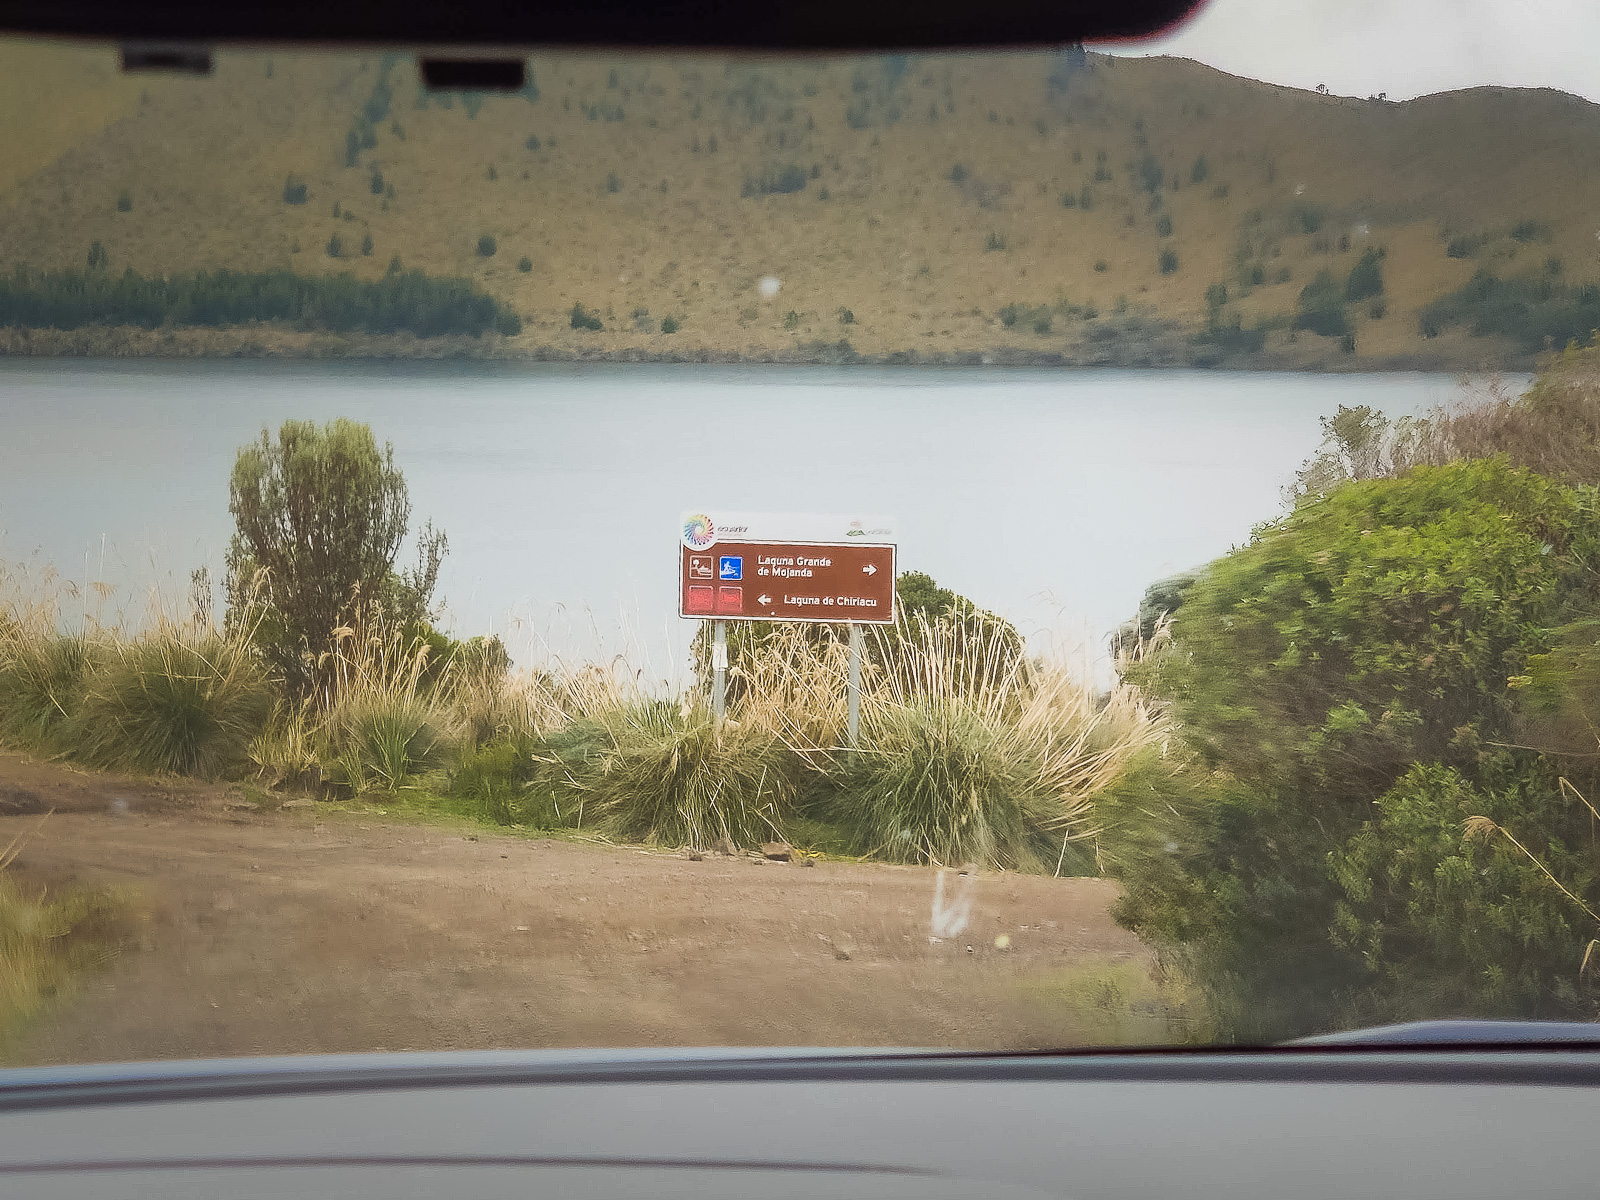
(869, 569)
(763, 599)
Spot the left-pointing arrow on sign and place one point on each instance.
(763, 599)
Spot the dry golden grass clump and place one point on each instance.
(44, 940)
(970, 750)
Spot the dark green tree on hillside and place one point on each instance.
(1366, 277)
(1321, 307)
(320, 515)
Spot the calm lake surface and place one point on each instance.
(1052, 497)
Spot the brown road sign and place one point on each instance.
(789, 581)
(727, 572)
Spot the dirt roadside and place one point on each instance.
(301, 930)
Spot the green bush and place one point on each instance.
(1449, 915)
(1032, 316)
(937, 782)
(486, 245)
(582, 318)
(294, 191)
(42, 682)
(1200, 171)
(524, 264)
(670, 324)
(1306, 218)
(679, 781)
(400, 302)
(1371, 630)
(335, 246)
(1151, 174)
(775, 181)
(502, 780)
(124, 202)
(1531, 310)
(1168, 261)
(1231, 337)
(995, 241)
(1366, 277)
(173, 701)
(1321, 308)
(1164, 225)
(375, 183)
(381, 739)
(366, 246)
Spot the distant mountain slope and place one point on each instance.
(1007, 206)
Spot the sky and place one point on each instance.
(1403, 47)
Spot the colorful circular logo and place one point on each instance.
(698, 531)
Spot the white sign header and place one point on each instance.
(700, 530)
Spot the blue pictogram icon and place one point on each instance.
(730, 566)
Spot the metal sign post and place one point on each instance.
(854, 720)
(719, 670)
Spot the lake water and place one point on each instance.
(1052, 497)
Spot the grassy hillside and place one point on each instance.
(1000, 206)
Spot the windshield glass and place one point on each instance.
(1015, 550)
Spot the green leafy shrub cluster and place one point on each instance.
(775, 181)
(1306, 218)
(405, 302)
(1366, 277)
(1347, 685)
(1036, 317)
(1534, 311)
(1320, 308)
(1229, 335)
(176, 699)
